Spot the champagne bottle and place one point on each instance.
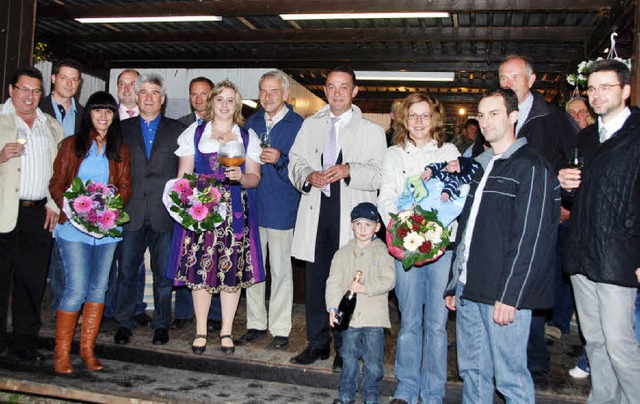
(346, 307)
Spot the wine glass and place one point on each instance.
(576, 160)
(231, 154)
(21, 138)
(265, 140)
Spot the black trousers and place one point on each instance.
(327, 241)
(24, 259)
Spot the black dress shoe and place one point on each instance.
(180, 323)
(337, 364)
(142, 319)
(199, 350)
(214, 325)
(160, 336)
(398, 401)
(26, 354)
(123, 336)
(227, 350)
(310, 355)
(250, 336)
(280, 342)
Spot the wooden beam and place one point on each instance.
(327, 35)
(231, 8)
(17, 26)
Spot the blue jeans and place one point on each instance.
(486, 349)
(366, 343)
(184, 305)
(56, 278)
(421, 357)
(110, 298)
(86, 271)
(132, 248)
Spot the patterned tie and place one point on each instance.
(200, 120)
(330, 154)
(131, 113)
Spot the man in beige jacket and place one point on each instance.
(336, 163)
(28, 145)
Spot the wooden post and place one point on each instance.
(17, 29)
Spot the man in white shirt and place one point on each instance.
(28, 213)
(127, 94)
(602, 254)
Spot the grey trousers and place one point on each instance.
(607, 316)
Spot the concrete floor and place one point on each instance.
(257, 372)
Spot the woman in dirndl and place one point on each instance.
(228, 258)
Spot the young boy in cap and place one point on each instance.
(365, 336)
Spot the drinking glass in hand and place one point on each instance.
(576, 160)
(265, 140)
(22, 139)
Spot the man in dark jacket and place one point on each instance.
(551, 132)
(602, 252)
(152, 140)
(503, 266)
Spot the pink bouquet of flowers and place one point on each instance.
(94, 208)
(416, 237)
(195, 201)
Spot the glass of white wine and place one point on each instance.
(22, 139)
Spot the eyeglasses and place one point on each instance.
(27, 90)
(424, 117)
(602, 88)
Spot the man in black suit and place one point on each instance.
(152, 140)
(199, 89)
(66, 76)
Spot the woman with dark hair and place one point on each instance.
(228, 258)
(95, 153)
(421, 356)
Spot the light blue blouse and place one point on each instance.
(94, 167)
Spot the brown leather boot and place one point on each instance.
(91, 319)
(65, 328)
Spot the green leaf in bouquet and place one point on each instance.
(123, 217)
(77, 186)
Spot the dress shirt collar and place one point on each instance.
(614, 123)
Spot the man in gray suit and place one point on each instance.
(152, 140)
(199, 89)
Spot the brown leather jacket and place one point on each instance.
(67, 164)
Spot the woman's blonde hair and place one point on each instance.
(401, 134)
(217, 89)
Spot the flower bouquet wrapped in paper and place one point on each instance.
(94, 208)
(416, 236)
(195, 201)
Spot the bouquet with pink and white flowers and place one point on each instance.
(94, 208)
(195, 201)
(416, 236)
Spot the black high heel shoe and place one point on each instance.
(199, 350)
(227, 350)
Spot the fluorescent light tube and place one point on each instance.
(170, 18)
(361, 16)
(250, 103)
(404, 76)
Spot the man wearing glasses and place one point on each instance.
(28, 145)
(602, 254)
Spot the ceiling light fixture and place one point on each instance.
(404, 76)
(250, 103)
(170, 18)
(362, 16)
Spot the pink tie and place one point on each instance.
(131, 112)
(331, 151)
